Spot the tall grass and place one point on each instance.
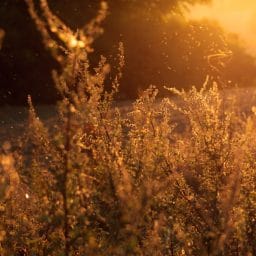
(104, 182)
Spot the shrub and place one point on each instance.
(103, 181)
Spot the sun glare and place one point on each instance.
(235, 16)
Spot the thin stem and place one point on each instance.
(65, 189)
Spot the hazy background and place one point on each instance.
(163, 46)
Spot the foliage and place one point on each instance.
(103, 181)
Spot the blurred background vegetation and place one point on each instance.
(161, 48)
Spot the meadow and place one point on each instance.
(157, 176)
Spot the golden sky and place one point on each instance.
(237, 16)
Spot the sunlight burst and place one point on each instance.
(235, 16)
